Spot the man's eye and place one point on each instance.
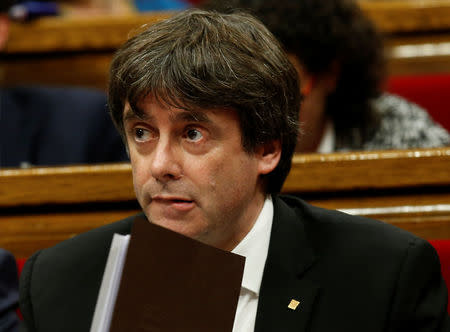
(141, 134)
(193, 135)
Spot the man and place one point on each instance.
(207, 104)
(9, 292)
(54, 125)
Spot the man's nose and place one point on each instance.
(165, 164)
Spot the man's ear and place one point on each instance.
(4, 30)
(269, 155)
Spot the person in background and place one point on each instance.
(9, 292)
(208, 106)
(5, 5)
(54, 125)
(339, 57)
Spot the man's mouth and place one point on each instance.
(180, 200)
(171, 199)
(177, 203)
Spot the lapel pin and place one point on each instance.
(293, 304)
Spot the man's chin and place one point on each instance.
(182, 227)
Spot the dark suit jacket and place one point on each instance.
(56, 126)
(348, 273)
(9, 292)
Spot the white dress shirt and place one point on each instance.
(254, 247)
(328, 141)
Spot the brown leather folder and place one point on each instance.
(173, 283)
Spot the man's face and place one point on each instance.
(191, 174)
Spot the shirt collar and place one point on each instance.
(255, 247)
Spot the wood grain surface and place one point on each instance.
(69, 33)
(310, 173)
(410, 189)
(369, 170)
(394, 16)
(75, 33)
(77, 50)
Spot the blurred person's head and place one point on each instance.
(4, 21)
(338, 54)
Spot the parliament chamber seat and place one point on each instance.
(407, 188)
(42, 206)
(430, 91)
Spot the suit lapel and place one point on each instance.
(289, 258)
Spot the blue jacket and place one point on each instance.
(56, 126)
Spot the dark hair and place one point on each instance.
(200, 60)
(320, 32)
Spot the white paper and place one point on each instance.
(110, 284)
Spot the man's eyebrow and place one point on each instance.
(131, 114)
(191, 116)
(183, 116)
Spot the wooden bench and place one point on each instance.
(76, 50)
(410, 189)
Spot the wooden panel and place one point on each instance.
(424, 214)
(310, 173)
(70, 33)
(26, 232)
(73, 51)
(63, 185)
(395, 16)
(380, 202)
(76, 50)
(76, 69)
(419, 65)
(66, 33)
(418, 53)
(410, 189)
(369, 170)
